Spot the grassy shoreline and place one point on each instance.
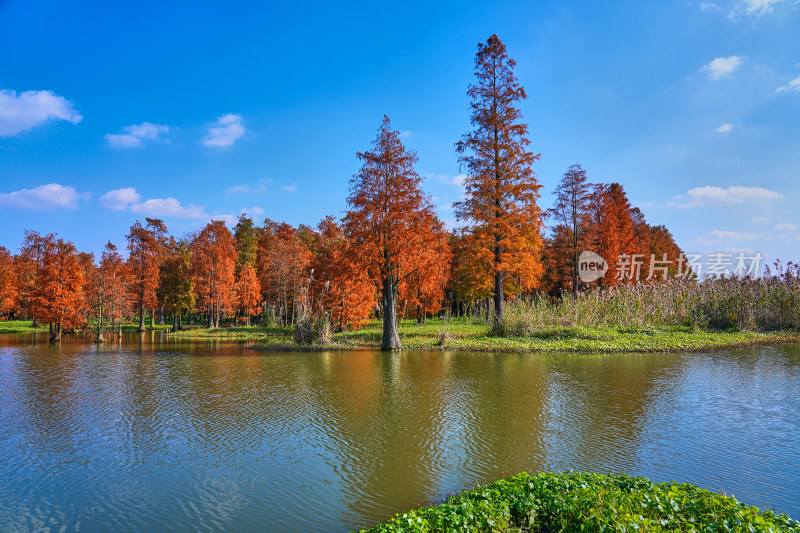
(465, 335)
(469, 335)
(586, 502)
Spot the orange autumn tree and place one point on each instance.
(391, 222)
(613, 232)
(144, 259)
(116, 278)
(248, 292)
(26, 265)
(423, 291)
(213, 261)
(58, 297)
(8, 284)
(500, 205)
(283, 266)
(341, 288)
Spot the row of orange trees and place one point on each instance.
(389, 255)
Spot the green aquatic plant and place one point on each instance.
(581, 502)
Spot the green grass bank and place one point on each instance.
(577, 502)
(469, 335)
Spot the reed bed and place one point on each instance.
(771, 303)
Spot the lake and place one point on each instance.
(155, 434)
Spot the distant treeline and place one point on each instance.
(389, 256)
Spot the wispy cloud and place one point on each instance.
(119, 199)
(247, 189)
(168, 207)
(255, 210)
(722, 67)
(290, 188)
(792, 86)
(134, 135)
(43, 197)
(710, 195)
(786, 227)
(725, 128)
(225, 131)
(757, 8)
(725, 237)
(24, 111)
(127, 199)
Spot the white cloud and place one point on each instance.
(710, 195)
(24, 111)
(720, 237)
(119, 199)
(756, 8)
(290, 188)
(722, 67)
(127, 199)
(135, 134)
(255, 210)
(792, 86)
(725, 128)
(709, 6)
(43, 197)
(168, 207)
(225, 131)
(459, 180)
(786, 227)
(229, 220)
(760, 220)
(246, 189)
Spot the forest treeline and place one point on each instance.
(389, 256)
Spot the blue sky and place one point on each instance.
(110, 112)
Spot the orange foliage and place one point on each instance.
(346, 291)
(283, 266)
(614, 232)
(144, 260)
(501, 189)
(214, 259)
(58, 298)
(391, 224)
(248, 291)
(9, 300)
(423, 291)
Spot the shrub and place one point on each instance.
(576, 502)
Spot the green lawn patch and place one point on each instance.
(19, 326)
(577, 502)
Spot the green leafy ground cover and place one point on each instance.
(577, 502)
(472, 335)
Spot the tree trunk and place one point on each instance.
(210, 316)
(161, 316)
(152, 319)
(141, 318)
(498, 299)
(391, 337)
(55, 333)
(176, 322)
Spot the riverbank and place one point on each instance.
(587, 502)
(470, 335)
(465, 334)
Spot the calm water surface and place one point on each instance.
(156, 434)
